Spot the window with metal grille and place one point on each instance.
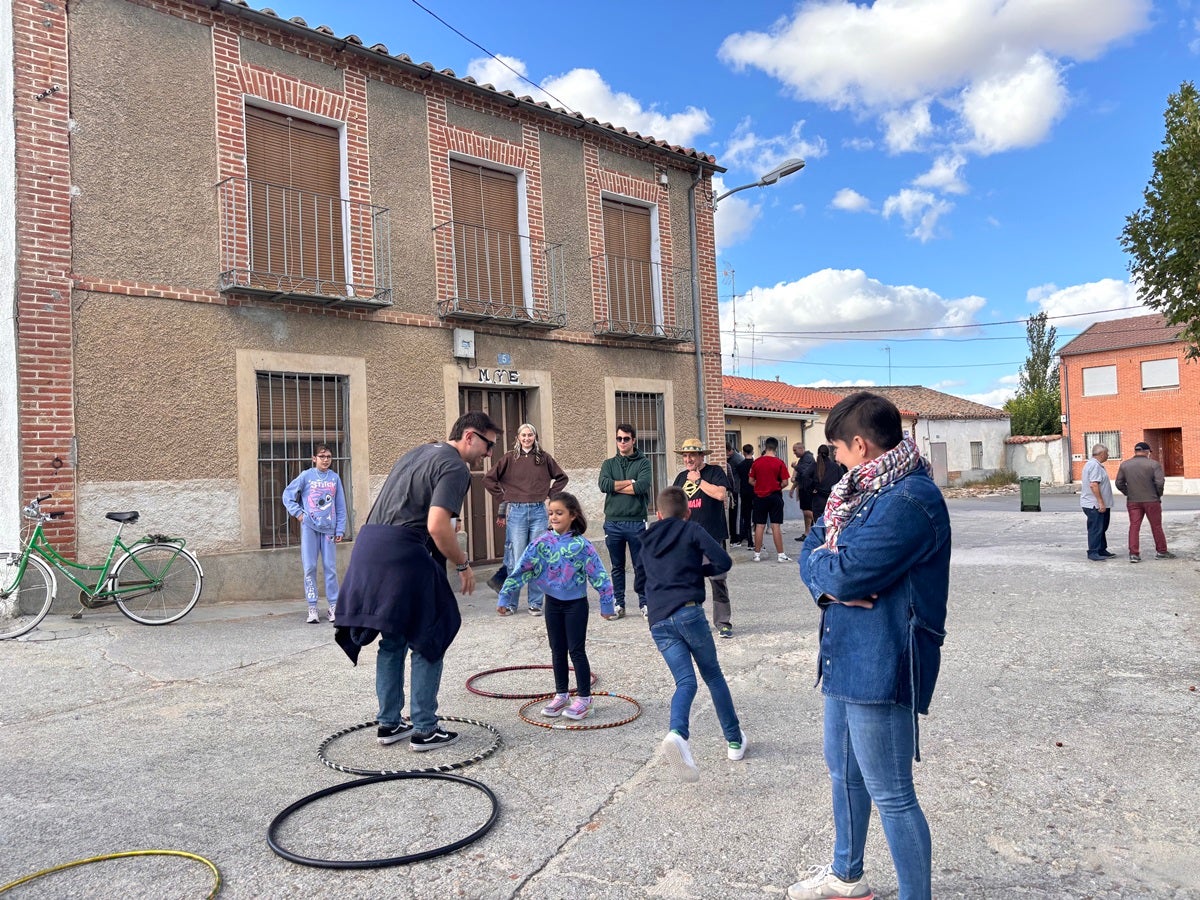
(645, 413)
(976, 454)
(1110, 439)
(632, 275)
(487, 243)
(293, 172)
(295, 413)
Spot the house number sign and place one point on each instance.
(499, 376)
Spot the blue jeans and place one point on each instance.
(523, 522)
(618, 536)
(389, 684)
(1097, 525)
(869, 751)
(313, 544)
(681, 637)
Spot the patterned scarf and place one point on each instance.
(865, 480)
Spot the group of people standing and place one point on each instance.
(875, 560)
(1142, 481)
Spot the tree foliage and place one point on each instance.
(1163, 237)
(1036, 409)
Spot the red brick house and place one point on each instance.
(1129, 380)
(247, 235)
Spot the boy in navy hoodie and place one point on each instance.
(316, 498)
(677, 555)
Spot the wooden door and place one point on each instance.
(1172, 451)
(507, 408)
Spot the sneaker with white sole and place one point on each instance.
(332, 614)
(679, 757)
(389, 734)
(554, 708)
(419, 743)
(580, 709)
(758, 557)
(618, 613)
(313, 618)
(783, 557)
(645, 612)
(822, 884)
(737, 749)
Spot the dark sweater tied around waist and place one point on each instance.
(394, 586)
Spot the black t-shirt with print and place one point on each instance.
(706, 512)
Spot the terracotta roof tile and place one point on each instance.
(1115, 334)
(774, 396)
(928, 403)
(381, 51)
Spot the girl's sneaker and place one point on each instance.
(580, 709)
(313, 618)
(822, 884)
(554, 708)
(737, 749)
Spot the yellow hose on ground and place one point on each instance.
(123, 854)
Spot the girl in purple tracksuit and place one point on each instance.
(317, 499)
(562, 562)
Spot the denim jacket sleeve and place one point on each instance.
(876, 548)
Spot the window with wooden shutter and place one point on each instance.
(627, 243)
(487, 243)
(294, 172)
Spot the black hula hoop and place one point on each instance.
(559, 726)
(388, 861)
(448, 767)
(495, 695)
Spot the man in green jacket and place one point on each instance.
(626, 481)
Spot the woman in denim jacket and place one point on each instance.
(878, 565)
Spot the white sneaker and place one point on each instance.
(758, 557)
(737, 749)
(679, 755)
(313, 618)
(824, 885)
(783, 557)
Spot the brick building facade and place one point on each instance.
(188, 327)
(1126, 381)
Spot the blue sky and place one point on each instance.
(969, 161)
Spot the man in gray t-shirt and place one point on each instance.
(396, 586)
(1096, 498)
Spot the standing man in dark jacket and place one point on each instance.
(801, 473)
(706, 488)
(733, 459)
(626, 481)
(396, 587)
(746, 490)
(1142, 480)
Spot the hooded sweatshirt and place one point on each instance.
(677, 555)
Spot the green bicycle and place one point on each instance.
(154, 581)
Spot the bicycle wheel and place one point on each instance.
(156, 584)
(24, 601)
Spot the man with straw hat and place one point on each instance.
(705, 487)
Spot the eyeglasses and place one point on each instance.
(623, 439)
(490, 444)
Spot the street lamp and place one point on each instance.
(784, 169)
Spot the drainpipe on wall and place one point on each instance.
(1068, 474)
(701, 409)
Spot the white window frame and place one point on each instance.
(1110, 439)
(1164, 374)
(1098, 384)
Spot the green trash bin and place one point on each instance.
(1031, 493)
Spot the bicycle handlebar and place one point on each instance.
(57, 515)
(46, 497)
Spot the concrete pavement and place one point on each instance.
(1059, 759)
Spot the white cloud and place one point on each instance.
(850, 200)
(1014, 108)
(735, 217)
(584, 90)
(833, 299)
(906, 129)
(1081, 302)
(827, 383)
(946, 385)
(920, 211)
(995, 398)
(758, 155)
(858, 143)
(994, 67)
(945, 175)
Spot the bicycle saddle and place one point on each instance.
(127, 517)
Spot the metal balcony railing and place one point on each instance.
(294, 244)
(646, 301)
(500, 276)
